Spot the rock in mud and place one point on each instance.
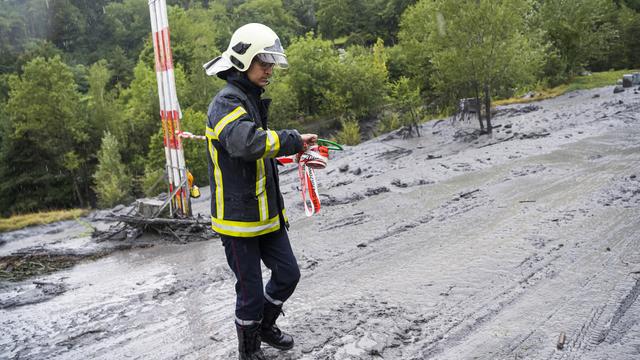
(376, 191)
(30, 294)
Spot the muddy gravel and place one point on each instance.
(453, 245)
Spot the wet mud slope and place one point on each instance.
(453, 245)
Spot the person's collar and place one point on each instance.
(241, 80)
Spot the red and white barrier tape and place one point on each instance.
(188, 135)
(315, 157)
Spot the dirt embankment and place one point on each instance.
(453, 245)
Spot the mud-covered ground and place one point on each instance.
(447, 246)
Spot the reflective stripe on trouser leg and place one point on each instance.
(247, 322)
(272, 300)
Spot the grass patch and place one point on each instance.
(17, 222)
(595, 80)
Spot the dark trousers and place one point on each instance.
(244, 255)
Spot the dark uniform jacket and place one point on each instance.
(245, 194)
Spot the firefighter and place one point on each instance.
(247, 208)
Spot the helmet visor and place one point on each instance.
(278, 60)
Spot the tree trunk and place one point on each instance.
(76, 190)
(487, 104)
(479, 109)
(414, 116)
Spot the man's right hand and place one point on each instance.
(309, 140)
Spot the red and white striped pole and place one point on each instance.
(170, 113)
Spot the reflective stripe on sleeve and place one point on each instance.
(210, 134)
(272, 146)
(261, 192)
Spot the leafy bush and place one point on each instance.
(359, 80)
(350, 132)
(283, 112)
(407, 101)
(311, 64)
(389, 122)
(113, 184)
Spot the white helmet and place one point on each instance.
(248, 41)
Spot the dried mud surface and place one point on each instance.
(454, 245)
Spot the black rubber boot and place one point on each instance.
(249, 342)
(270, 333)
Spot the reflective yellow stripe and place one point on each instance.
(239, 111)
(210, 134)
(261, 194)
(245, 229)
(217, 175)
(272, 147)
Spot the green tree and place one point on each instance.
(360, 22)
(37, 48)
(141, 117)
(194, 39)
(311, 63)
(407, 101)
(128, 24)
(284, 110)
(271, 13)
(626, 55)
(338, 18)
(475, 46)
(411, 57)
(13, 35)
(105, 114)
(66, 24)
(631, 4)
(304, 11)
(358, 83)
(113, 184)
(581, 33)
(43, 157)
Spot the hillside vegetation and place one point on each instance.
(79, 109)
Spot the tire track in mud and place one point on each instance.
(609, 322)
(489, 303)
(606, 323)
(486, 308)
